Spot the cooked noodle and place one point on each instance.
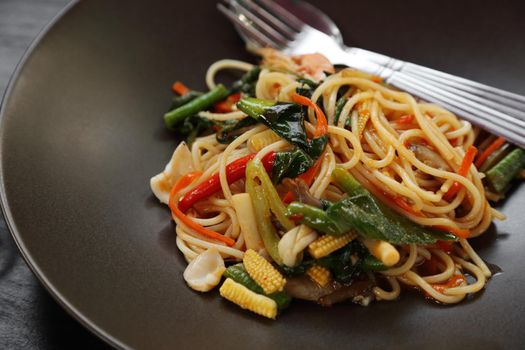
(380, 158)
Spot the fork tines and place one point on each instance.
(264, 21)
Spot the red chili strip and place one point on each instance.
(235, 171)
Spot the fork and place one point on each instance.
(266, 24)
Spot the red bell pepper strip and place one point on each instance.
(236, 170)
(463, 171)
(446, 246)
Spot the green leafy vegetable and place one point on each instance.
(287, 121)
(247, 83)
(364, 213)
(339, 108)
(290, 164)
(229, 130)
(306, 88)
(341, 264)
(193, 126)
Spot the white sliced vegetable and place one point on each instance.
(205, 271)
(242, 203)
(179, 164)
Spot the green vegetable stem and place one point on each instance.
(500, 175)
(176, 116)
(364, 213)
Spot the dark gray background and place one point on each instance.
(29, 317)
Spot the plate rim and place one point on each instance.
(4, 204)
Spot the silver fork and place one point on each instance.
(266, 24)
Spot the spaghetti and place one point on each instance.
(407, 154)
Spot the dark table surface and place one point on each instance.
(29, 317)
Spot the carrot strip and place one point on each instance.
(179, 185)
(488, 151)
(463, 171)
(402, 203)
(179, 88)
(322, 124)
(454, 281)
(458, 232)
(405, 119)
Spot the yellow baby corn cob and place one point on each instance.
(263, 272)
(245, 298)
(319, 274)
(327, 244)
(364, 115)
(262, 139)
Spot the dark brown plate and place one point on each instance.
(82, 134)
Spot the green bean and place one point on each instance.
(500, 175)
(254, 107)
(176, 116)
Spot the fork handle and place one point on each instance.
(495, 121)
(501, 100)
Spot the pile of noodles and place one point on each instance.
(381, 158)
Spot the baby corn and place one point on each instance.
(245, 298)
(263, 272)
(327, 244)
(319, 274)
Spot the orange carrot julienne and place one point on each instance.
(180, 88)
(488, 151)
(179, 185)
(322, 124)
(402, 203)
(405, 119)
(463, 171)
(458, 232)
(454, 281)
